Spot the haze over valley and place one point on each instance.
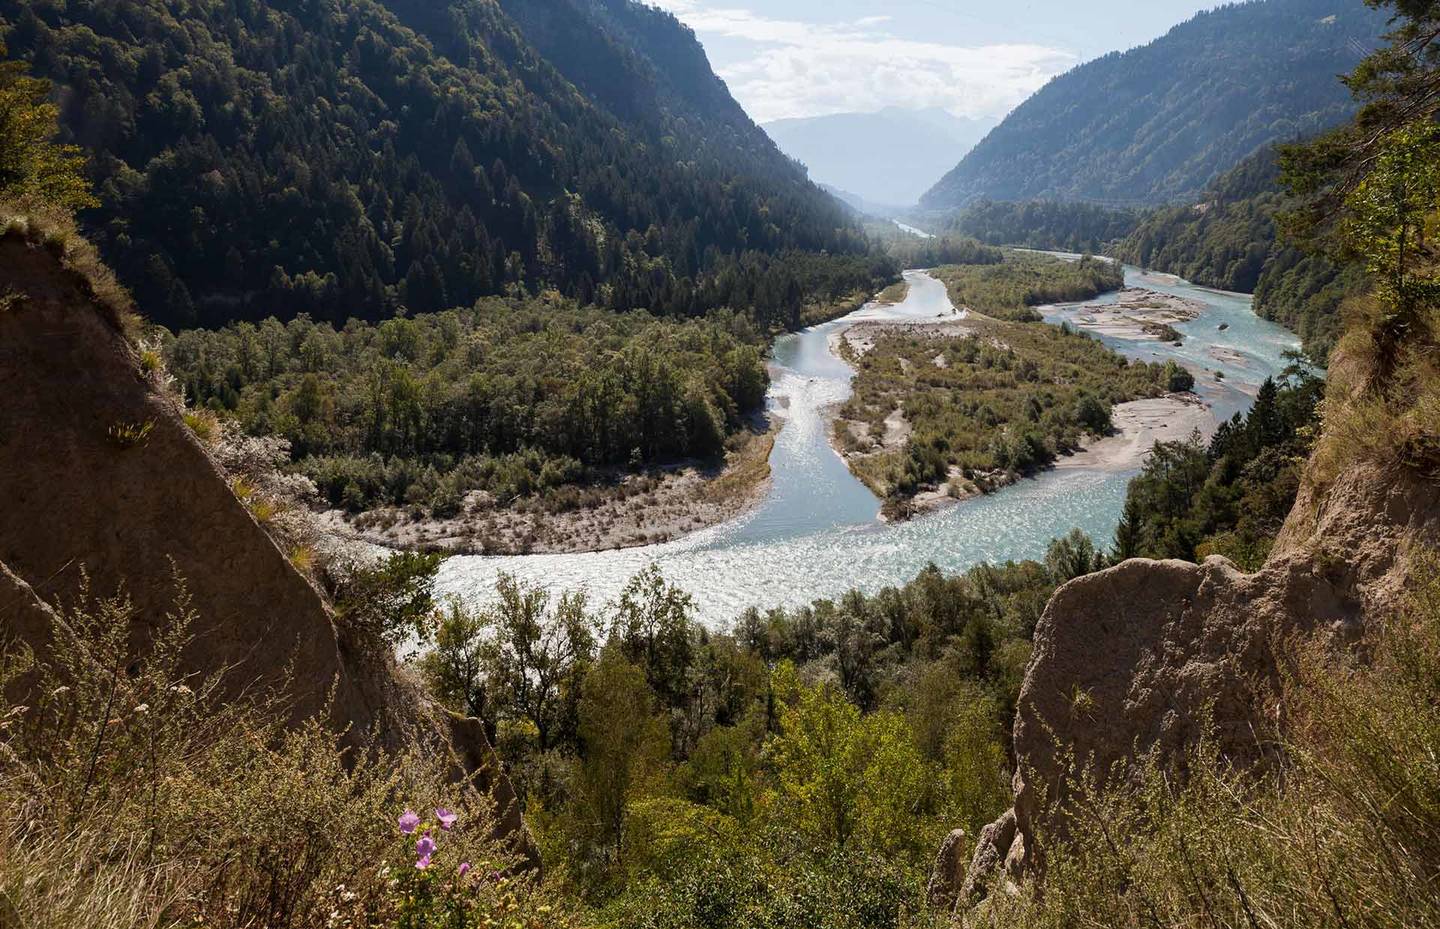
(889, 158)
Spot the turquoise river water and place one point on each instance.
(817, 532)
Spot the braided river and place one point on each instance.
(817, 532)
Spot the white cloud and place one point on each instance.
(812, 69)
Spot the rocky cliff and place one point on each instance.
(1143, 659)
(106, 491)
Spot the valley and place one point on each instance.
(458, 469)
(817, 533)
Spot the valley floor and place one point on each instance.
(636, 509)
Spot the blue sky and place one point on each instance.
(786, 58)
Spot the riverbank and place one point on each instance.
(1139, 426)
(631, 510)
(814, 314)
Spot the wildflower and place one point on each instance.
(464, 868)
(446, 817)
(409, 822)
(425, 847)
(493, 877)
(422, 863)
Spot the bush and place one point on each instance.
(390, 602)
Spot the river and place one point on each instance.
(817, 533)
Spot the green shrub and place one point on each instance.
(390, 601)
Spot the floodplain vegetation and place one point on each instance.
(1010, 289)
(963, 406)
(533, 400)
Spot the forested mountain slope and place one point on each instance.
(1042, 224)
(1229, 239)
(1157, 123)
(267, 157)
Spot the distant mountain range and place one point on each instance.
(1157, 123)
(886, 158)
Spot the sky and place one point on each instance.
(975, 58)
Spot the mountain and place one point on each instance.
(890, 157)
(1155, 124)
(1229, 239)
(263, 157)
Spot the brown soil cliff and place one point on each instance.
(82, 498)
(1146, 657)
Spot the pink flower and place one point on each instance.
(423, 863)
(464, 868)
(447, 818)
(425, 847)
(409, 822)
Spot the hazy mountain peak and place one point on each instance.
(886, 157)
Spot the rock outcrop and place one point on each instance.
(947, 875)
(1146, 657)
(106, 489)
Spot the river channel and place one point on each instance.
(817, 532)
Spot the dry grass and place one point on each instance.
(813, 314)
(1345, 834)
(748, 467)
(894, 294)
(1394, 423)
(132, 794)
(205, 425)
(130, 435)
(56, 232)
(303, 558)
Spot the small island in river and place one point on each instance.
(965, 403)
(1137, 313)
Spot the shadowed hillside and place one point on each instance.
(348, 159)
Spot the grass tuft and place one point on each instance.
(130, 435)
(205, 425)
(303, 558)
